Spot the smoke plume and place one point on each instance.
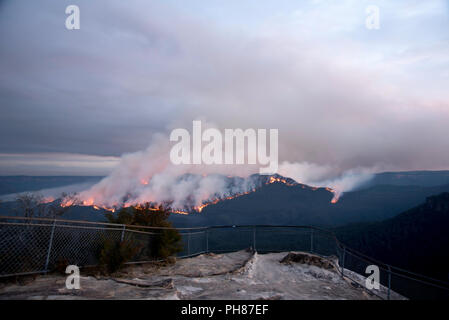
(149, 176)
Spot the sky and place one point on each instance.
(341, 95)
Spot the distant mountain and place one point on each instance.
(277, 201)
(16, 184)
(417, 239)
(409, 178)
(381, 202)
(281, 204)
(11, 208)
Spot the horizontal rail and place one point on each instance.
(97, 223)
(201, 230)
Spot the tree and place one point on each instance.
(165, 240)
(33, 205)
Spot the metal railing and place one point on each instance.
(37, 245)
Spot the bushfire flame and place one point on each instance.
(70, 201)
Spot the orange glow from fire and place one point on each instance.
(284, 181)
(91, 201)
(215, 201)
(336, 195)
(179, 212)
(47, 200)
(67, 203)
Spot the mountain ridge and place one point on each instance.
(412, 239)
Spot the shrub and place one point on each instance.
(114, 254)
(165, 242)
(61, 265)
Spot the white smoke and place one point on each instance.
(149, 176)
(327, 176)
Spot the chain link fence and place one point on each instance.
(30, 246)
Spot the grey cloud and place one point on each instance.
(136, 68)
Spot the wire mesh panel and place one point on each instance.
(323, 243)
(228, 239)
(417, 289)
(143, 241)
(356, 269)
(194, 242)
(39, 245)
(392, 279)
(278, 239)
(23, 248)
(79, 245)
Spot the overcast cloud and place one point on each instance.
(341, 95)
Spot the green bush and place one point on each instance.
(165, 242)
(61, 265)
(114, 254)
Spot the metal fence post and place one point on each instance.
(123, 233)
(207, 240)
(50, 244)
(188, 244)
(389, 282)
(311, 240)
(343, 262)
(254, 238)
